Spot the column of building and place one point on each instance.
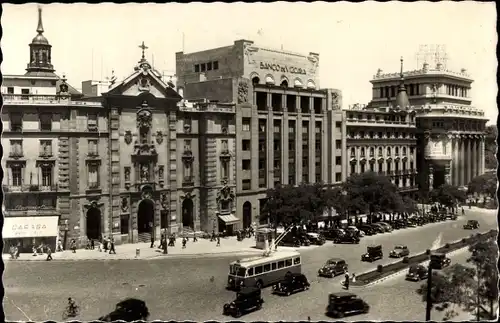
(470, 159)
(284, 142)
(312, 143)
(462, 160)
(324, 144)
(481, 153)
(456, 161)
(298, 142)
(270, 142)
(474, 157)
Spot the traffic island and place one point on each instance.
(384, 271)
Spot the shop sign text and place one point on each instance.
(282, 68)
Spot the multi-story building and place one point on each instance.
(381, 137)
(449, 131)
(125, 163)
(288, 129)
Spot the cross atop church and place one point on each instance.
(143, 47)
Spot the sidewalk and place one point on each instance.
(202, 247)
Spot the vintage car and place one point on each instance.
(347, 238)
(316, 238)
(387, 227)
(412, 223)
(291, 283)
(373, 252)
(399, 251)
(354, 230)
(331, 234)
(471, 225)
(333, 267)
(377, 227)
(445, 261)
(452, 216)
(416, 273)
(367, 229)
(247, 299)
(344, 303)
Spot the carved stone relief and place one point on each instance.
(242, 92)
(159, 137)
(128, 137)
(124, 205)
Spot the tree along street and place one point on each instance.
(194, 289)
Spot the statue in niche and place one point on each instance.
(160, 172)
(144, 173)
(124, 204)
(127, 174)
(144, 119)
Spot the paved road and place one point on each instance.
(180, 289)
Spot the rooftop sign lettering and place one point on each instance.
(282, 68)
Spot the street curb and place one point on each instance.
(160, 256)
(402, 271)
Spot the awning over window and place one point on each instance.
(30, 227)
(229, 219)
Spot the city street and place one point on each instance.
(194, 288)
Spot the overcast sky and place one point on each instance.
(353, 40)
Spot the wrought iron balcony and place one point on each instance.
(33, 188)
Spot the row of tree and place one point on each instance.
(366, 193)
(473, 288)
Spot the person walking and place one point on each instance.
(184, 241)
(73, 245)
(92, 244)
(195, 238)
(218, 240)
(112, 246)
(152, 242)
(59, 246)
(353, 277)
(49, 254)
(105, 244)
(213, 236)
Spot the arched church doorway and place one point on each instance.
(247, 214)
(145, 216)
(187, 213)
(93, 223)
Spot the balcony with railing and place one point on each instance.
(31, 188)
(44, 99)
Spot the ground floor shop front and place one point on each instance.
(26, 232)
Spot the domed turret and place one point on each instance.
(402, 98)
(40, 51)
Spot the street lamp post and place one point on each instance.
(165, 236)
(344, 200)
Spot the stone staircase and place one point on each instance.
(144, 237)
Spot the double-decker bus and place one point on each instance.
(263, 270)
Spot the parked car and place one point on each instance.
(387, 227)
(333, 267)
(378, 228)
(471, 225)
(316, 238)
(412, 223)
(344, 303)
(354, 230)
(331, 234)
(373, 252)
(416, 273)
(247, 299)
(399, 251)
(290, 240)
(367, 229)
(452, 216)
(347, 238)
(291, 283)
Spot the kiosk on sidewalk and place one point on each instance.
(264, 236)
(27, 231)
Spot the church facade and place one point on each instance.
(125, 164)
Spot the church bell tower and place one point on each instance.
(40, 51)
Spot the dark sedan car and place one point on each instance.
(367, 229)
(378, 228)
(247, 300)
(333, 267)
(416, 273)
(290, 284)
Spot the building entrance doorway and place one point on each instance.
(145, 216)
(439, 177)
(93, 223)
(187, 214)
(247, 215)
